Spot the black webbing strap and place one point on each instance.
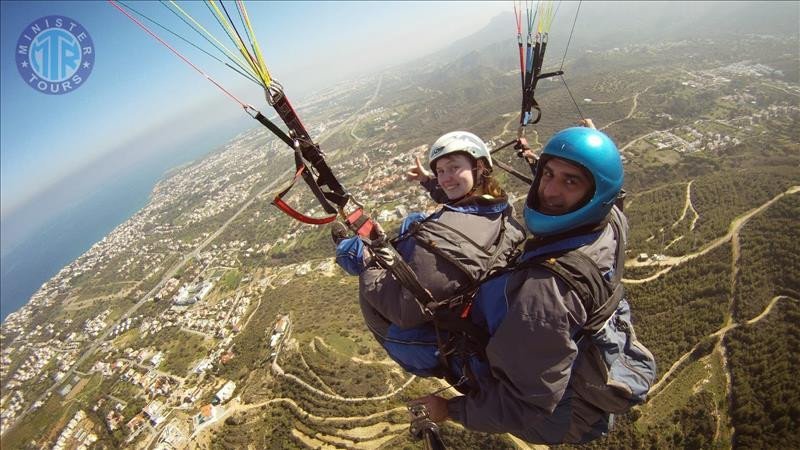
(512, 171)
(454, 322)
(308, 159)
(581, 274)
(406, 276)
(324, 198)
(309, 150)
(275, 129)
(541, 46)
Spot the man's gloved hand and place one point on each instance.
(350, 255)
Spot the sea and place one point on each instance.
(66, 236)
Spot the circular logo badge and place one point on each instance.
(55, 55)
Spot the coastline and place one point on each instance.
(68, 236)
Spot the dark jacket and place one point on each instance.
(385, 301)
(528, 388)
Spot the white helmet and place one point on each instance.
(456, 142)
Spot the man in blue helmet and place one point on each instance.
(544, 374)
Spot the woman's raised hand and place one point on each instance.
(418, 172)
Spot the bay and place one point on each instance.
(69, 234)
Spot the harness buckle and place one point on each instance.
(421, 422)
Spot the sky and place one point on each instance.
(140, 98)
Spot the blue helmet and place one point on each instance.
(597, 154)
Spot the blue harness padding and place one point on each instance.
(416, 349)
(412, 218)
(569, 243)
(350, 255)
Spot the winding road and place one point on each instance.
(735, 227)
(630, 113)
(686, 207)
(655, 390)
(732, 235)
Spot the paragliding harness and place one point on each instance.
(623, 370)
(620, 370)
(449, 316)
(309, 158)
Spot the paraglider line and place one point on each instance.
(240, 45)
(570, 36)
(247, 31)
(238, 35)
(177, 53)
(249, 77)
(218, 45)
(573, 98)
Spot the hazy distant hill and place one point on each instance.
(604, 25)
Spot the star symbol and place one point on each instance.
(24, 64)
(86, 65)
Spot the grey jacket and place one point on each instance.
(529, 393)
(385, 301)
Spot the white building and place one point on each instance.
(225, 393)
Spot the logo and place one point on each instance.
(55, 55)
(437, 150)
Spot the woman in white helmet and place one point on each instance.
(450, 251)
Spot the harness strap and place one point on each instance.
(581, 274)
(577, 270)
(359, 222)
(308, 158)
(308, 177)
(283, 206)
(524, 178)
(275, 129)
(407, 278)
(300, 150)
(309, 150)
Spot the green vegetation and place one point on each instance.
(678, 309)
(770, 258)
(125, 390)
(763, 358)
(41, 426)
(702, 373)
(718, 198)
(183, 350)
(651, 212)
(722, 197)
(230, 281)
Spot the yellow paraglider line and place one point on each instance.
(545, 16)
(241, 63)
(252, 36)
(236, 39)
